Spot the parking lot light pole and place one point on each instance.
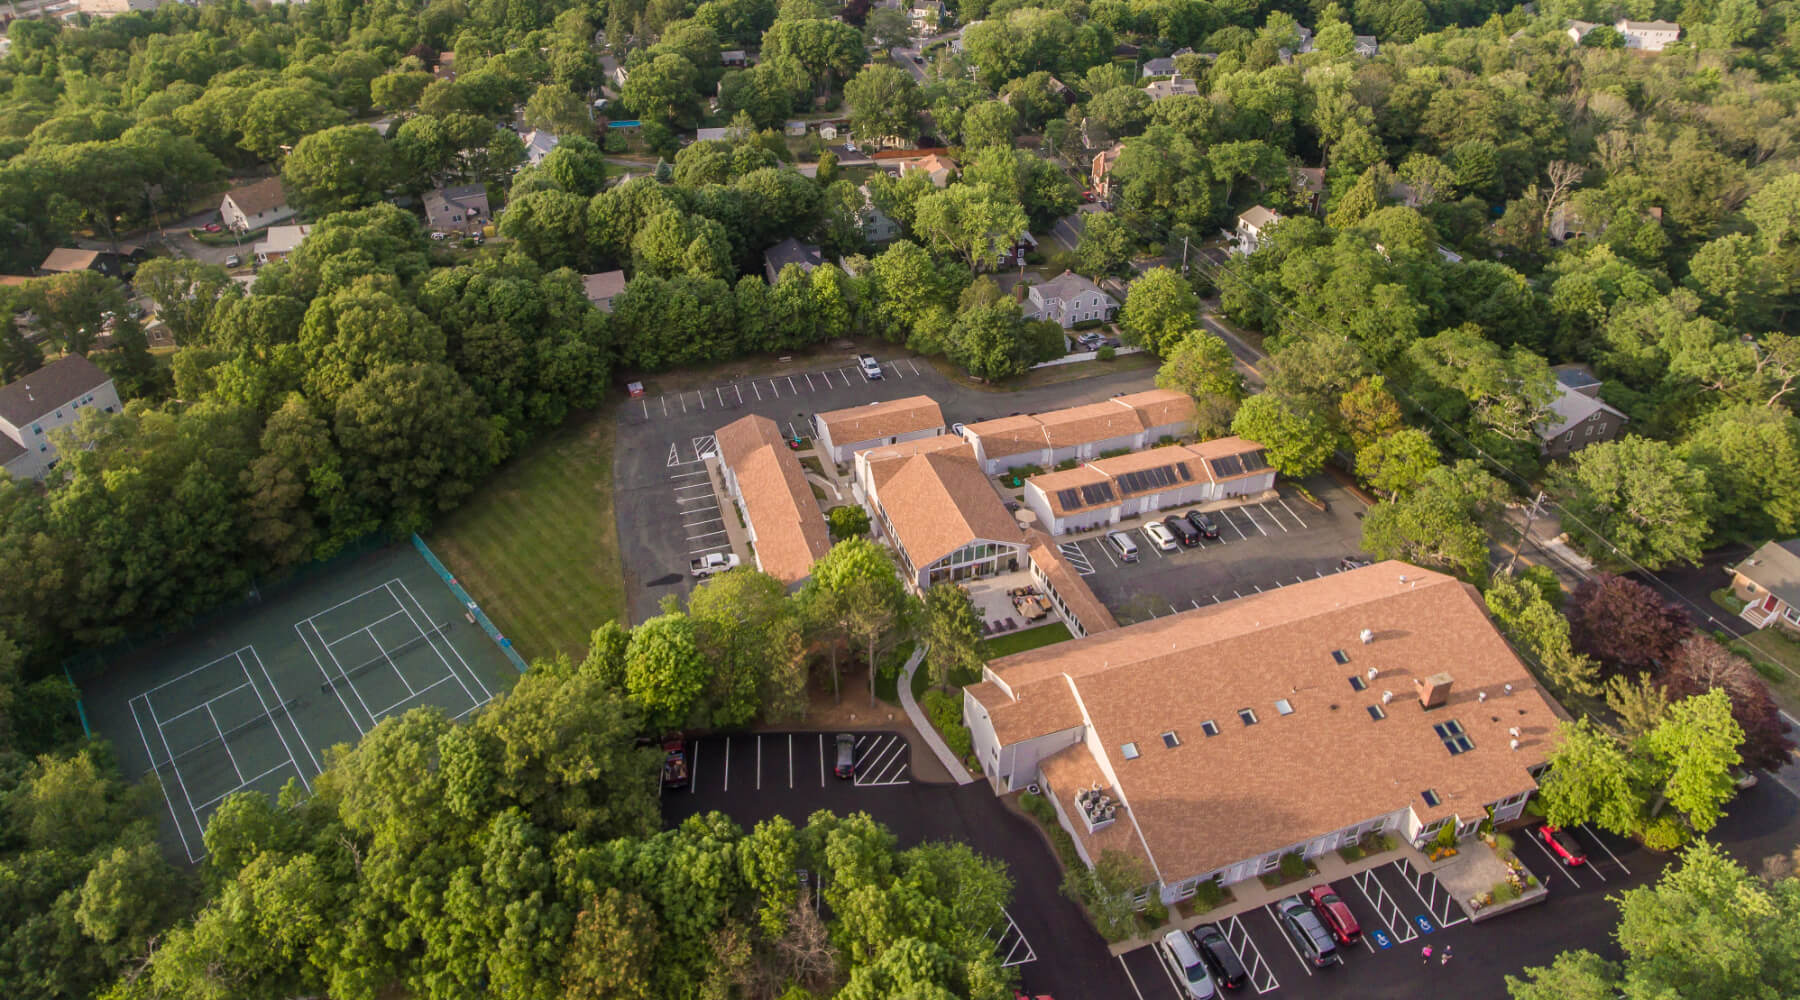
(1531, 514)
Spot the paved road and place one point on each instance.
(905, 54)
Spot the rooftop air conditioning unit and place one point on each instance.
(1386, 697)
(1368, 635)
(1373, 673)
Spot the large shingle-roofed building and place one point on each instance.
(843, 433)
(1291, 721)
(787, 530)
(1108, 490)
(1133, 421)
(932, 501)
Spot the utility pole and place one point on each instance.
(1532, 513)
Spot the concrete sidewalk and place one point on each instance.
(923, 724)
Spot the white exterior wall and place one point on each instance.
(1157, 433)
(1247, 486)
(1088, 451)
(995, 466)
(847, 452)
(34, 437)
(235, 217)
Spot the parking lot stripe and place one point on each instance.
(759, 762)
(1234, 526)
(1386, 910)
(790, 760)
(754, 389)
(1109, 556)
(809, 386)
(646, 405)
(915, 368)
(1272, 517)
(1416, 879)
(821, 760)
(694, 770)
(1605, 848)
(791, 385)
(896, 369)
(665, 403)
(1558, 865)
(704, 520)
(740, 394)
(1128, 977)
(1238, 937)
(1290, 511)
(1246, 512)
(1164, 962)
(727, 764)
(1304, 964)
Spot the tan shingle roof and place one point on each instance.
(1160, 407)
(1008, 435)
(1093, 422)
(1222, 448)
(1072, 771)
(939, 501)
(878, 420)
(1050, 708)
(64, 259)
(790, 531)
(262, 196)
(1075, 592)
(1328, 764)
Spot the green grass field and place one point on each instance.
(538, 545)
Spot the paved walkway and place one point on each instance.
(923, 724)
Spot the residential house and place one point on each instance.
(1094, 136)
(256, 205)
(734, 57)
(1769, 585)
(828, 131)
(925, 16)
(110, 8)
(1174, 86)
(1309, 184)
(1252, 226)
(790, 251)
(1014, 254)
(538, 145)
(1069, 299)
(712, 134)
(67, 260)
(1164, 66)
(1178, 740)
(1107, 490)
(876, 226)
(1578, 416)
(931, 501)
(1067, 591)
(1132, 422)
(1649, 36)
(602, 288)
(937, 167)
(1364, 45)
(445, 68)
(279, 242)
(51, 397)
(843, 433)
(787, 529)
(461, 209)
(1101, 171)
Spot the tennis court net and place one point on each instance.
(387, 656)
(223, 735)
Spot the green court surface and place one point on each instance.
(252, 699)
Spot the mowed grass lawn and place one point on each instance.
(538, 545)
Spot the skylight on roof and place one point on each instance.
(1430, 796)
(1455, 738)
(1340, 656)
(1376, 713)
(1209, 727)
(1284, 706)
(1170, 740)
(1130, 751)
(1248, 715)
(1357, 683)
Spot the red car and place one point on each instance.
(1335, 913)
(1566, 848)
(212, 227)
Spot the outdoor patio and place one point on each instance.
(1009, 602)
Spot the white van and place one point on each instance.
(1122, 546)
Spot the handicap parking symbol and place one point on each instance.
(1424, 924)
(1381, 938)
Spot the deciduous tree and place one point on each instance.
(1635, 499)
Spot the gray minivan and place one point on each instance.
(1122, 546)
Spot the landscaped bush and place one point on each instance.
(1105, 354)
(1090, 324)
(1065, 465)
(1208, 895)
(1293, 866)
(959, 741)
(943, 708)
(1116, 452)
(1038, 807)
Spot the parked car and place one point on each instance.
(1221, 957)
(1180, 528)
(1203, 524)
(213, 227)
(1159, 536)
(1310, 937)
(1566, 848)
(1089, 340)
(712, 562)
(675, 764)
(1335, 913)
(234, 261)
(1122, 546)
(871, 368)
(1190, 968)
(846, 756)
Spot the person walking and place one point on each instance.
(1425, 955)
(1444, 959)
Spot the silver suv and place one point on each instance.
(871, 368)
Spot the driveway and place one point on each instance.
(757, 776)
(661, 440)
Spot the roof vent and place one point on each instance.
(1368, 635)
(1373, 673)
(1507, 688)
(1386, 697)
(1481, 696)
(1515, 744)
(1513, 732)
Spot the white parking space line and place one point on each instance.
(688, 475)
(727, 764)
(1272, 517)
(888, 752)
(1262, 978)
(794, 388)
(1304, 964)
(1386, 910)
(754, 389)
(896, 367)
(665, 404)
(1603, 847)
(915, 368)
(1428, 889)
(1554, 863)
(704, 520)
(1246, 512)
(1129, 978)
(1011, 944)
(1106, 551)
(694, 770)
(1153, 546)
(809, 382)
(1290, 511)
(1166, 962)
(674, 456)
(1234, 526)
(821, 760)
(1077, 558)
(790, 760)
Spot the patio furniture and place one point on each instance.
(1010, 624)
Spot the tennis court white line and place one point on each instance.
(203, 704)
(453, 649)
(285, 711)
(247, 784)
(150, 691)
(170, 802)
(395, 667)
(189, 799)
(328, 682)
(343, 675)
(441, 680)
(224, 743)
(341, 603)
(369, 628)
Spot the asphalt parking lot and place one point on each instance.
(1402, 910)
(1261, 546)
(752, 777)
(666, 510)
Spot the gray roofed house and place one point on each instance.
(601, 288)
(538, 145)
(1365, 45)
(1769, 585)
(1578, 416)
(1175, 86)
(790, 251)
(51, 397)
(1068, 299)
(711, 134)
(1159, 67)
(463, 208)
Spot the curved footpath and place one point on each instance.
(927, 732)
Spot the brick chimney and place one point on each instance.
(1433, 690)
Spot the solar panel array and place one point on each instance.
(1069, 499)
(1255, 461)
(1237, 465)
(1097, 493)
(1150, 479)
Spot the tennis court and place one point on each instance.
(253, 700)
